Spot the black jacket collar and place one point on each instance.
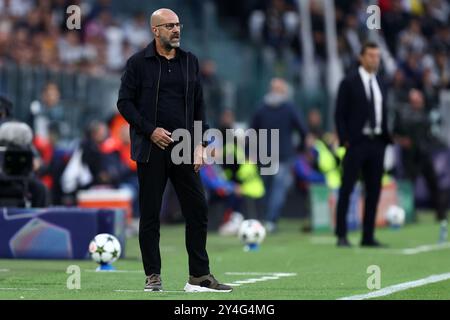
(150, 50)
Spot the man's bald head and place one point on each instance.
(166, 28)
(163, 15)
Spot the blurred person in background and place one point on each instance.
(136, 31)
(361, 122)
(48, 116)
(104, 167)
(212, 91)
(274, 25)
(5, 109)
(324, 154)
(241, 173)
(119, 144)
(412, 131)
(278, 112)
(19, 184)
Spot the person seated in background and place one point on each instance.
(220, 189)
(319, 162)
(104, 164)
(323, 152)
(237, 188)
(412, 132)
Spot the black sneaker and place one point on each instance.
(373, 244)
(153, 283)
(206, 284)
(343, 243)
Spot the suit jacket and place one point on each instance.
(352, 110)
(138, 97)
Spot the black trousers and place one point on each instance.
(417, 163)
(367, 158)
(152, 181)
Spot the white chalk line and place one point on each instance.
(405, 251)
(400, 287)
(426, 248)
(151, 292)
(279, 274)
(265, 276)
(4, 270)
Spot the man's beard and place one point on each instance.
(168, 45)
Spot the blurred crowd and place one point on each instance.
(416, 35)
(34, 32)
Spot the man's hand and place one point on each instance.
(161, 138)
(200, 156)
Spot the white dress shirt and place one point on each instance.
(378, 99)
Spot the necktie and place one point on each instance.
(372, 121)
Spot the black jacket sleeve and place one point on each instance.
(340, 113)
(126, 103)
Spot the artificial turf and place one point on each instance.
(321, 270)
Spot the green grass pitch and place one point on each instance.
(316, 268)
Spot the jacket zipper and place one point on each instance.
(156, 106)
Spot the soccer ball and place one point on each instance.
(251, 232)
(105, 248)
(395, 216)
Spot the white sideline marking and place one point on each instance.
(400, 287)
(278, 274)
(426, 248)
(4, 270)
(142, 291)
(405, 251)
(265, 276)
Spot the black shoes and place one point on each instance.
(343, 243)
(195, 284)
(205, 283)
(373, 244)
(153, 283)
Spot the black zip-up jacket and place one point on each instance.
(138, 97)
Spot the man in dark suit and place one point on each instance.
(362, 128)
(160, 93)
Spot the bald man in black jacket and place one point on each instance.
(160, 93)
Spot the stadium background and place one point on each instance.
(241, 46)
